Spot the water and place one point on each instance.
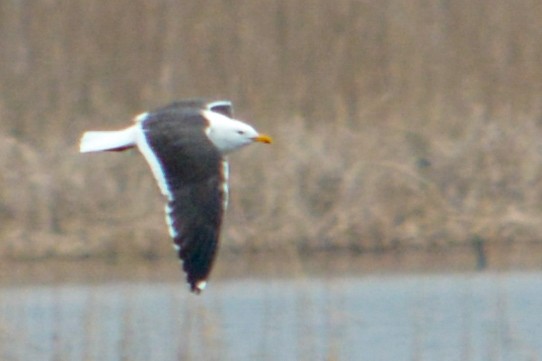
(457, 316)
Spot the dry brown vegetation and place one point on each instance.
(397, 124)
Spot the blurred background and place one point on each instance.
(406, 132)
(398, 125)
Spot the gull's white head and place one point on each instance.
(229, 134)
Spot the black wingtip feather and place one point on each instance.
(198, 259)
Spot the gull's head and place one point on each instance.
(229, 134)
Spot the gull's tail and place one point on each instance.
(116, 140)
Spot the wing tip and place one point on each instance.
(198, 286)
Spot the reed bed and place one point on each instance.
(396, 125)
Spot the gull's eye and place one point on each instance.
(241, 132)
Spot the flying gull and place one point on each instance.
(185, 144)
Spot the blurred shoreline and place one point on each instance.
(229, 265)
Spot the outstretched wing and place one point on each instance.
(192, 174)
(223, 107)
(194, 217)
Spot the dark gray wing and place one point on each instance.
(223, 107)
(195, 185)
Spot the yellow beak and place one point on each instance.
(262, 138)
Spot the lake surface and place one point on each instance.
(337, 316)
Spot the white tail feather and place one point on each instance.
(96, 141)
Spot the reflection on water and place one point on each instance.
(474, 316)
